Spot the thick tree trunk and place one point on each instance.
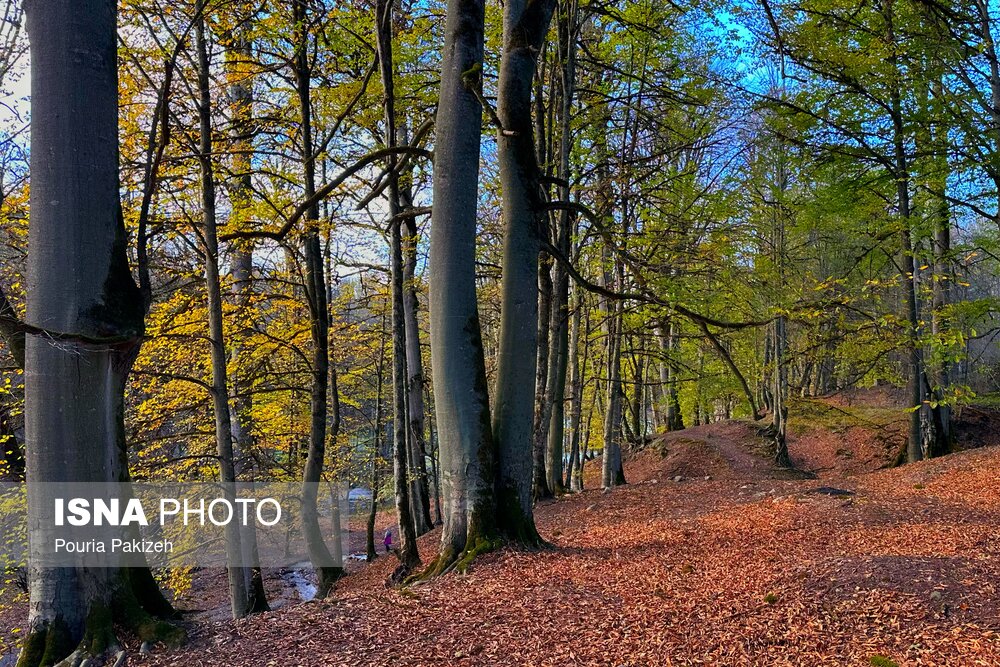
(461, 397)
(525, 26)
(80, 290)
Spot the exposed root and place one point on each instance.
(53, 643)
(451, 560)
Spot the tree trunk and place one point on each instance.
(461, 398)
(577, 364)
(240, 96)
(943, 279)
(539, 484)
(376, 449)
(80, 290)
(918, 420)
(402, 460)
(239, 576)
(612, 472)
(415, 375)
(670, 345)
(319, 319)
(525, 25)
(435, 465)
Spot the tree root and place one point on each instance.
(452, 560)
(326, 577)
(53, 644)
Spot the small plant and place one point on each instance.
(918, 487)
(770, 598)
(882, 661)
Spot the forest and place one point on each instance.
(605, 332)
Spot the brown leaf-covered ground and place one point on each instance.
(749, 567)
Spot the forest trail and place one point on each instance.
(744, 568)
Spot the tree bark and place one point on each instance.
(402, 459)
(239, 576)
(612, 472)
(525, 25)
(539, 485)
(240, 96)
(319, 316)
(376, 448)
(578, 366)
(82, 294)
(461, 397)
(919, 420)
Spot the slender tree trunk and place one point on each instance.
(637, 396)
(461, 397)
(327, 572)
(402, 461)
(240, 95)
(943, 278)
(415, 377)
(435, 465)
(557, 384)
(577, 364)
(239, 575)
(539, 485)
(918, 420)
(779, 394)
(376, 449)
(560, 305)
(612, 473)
(671, 348)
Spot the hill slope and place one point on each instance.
(745, 568)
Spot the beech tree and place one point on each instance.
(84, 318)
(461, 397)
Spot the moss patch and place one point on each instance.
(882, 661)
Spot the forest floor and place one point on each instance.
(709, 556)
